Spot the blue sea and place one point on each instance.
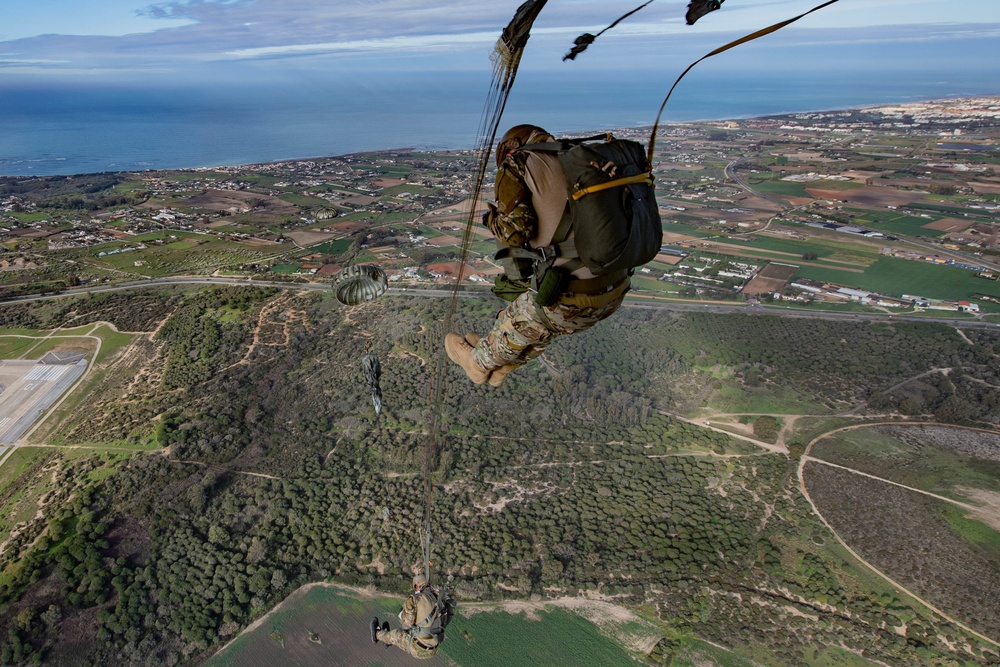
(73, 129)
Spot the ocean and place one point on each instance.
(62, 130)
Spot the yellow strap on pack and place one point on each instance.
(638, 178)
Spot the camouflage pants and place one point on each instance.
(521, 332)
(403, 640)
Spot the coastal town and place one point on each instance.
(803, 208)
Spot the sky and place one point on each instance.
(223, 41)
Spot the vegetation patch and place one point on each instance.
(890, 527)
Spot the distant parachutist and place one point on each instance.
(372, 370)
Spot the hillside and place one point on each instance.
(228, 454)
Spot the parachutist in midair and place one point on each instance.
(372, 370)
(424, 616)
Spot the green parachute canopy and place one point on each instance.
(356, 284)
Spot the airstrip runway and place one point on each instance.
(29, 388)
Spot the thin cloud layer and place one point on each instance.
(197, 32)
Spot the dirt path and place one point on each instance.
(805, 493)
(706, 422)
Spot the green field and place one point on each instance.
(731, 397)
(333, 247)
(285, 269)
(786, 188)
(12, 347)
(892, 276)
(338, 622)
(896, 223)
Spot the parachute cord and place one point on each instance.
(507, 57)
(742, 40)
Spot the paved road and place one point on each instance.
(476, 292)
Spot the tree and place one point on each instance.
(766, 427)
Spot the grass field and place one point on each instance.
(786, 188)
(329, 626)
(12, 347)
(893, 276)
(896, 223)
(332, 247)
(557, 637)
(731, 398)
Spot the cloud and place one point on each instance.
(387, 44)
(196, 32)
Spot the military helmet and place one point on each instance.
(420, 580)
(517, 136)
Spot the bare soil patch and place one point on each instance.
(225, 200)
(305, 237)
(986, 187)
(451, 268)
(673, 237)
(772, 278)
(669, 259)
(442, 241)
(948, 225)
(879, 197)
(820, 193)
(989, 502)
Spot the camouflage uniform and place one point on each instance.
(531, 195)
(416, 609)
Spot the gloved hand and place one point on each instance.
(491, 211)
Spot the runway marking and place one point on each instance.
(45, 372)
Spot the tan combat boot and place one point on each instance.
(460, 352)
(497, 375)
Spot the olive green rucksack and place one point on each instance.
(612, 210)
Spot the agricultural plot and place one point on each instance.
(893, 276)
(926, 545)
(897, 223)
(772, 278)
(333, 247)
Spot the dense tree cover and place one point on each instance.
(566, 479)
(140, 310)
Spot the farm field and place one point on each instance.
(893, 276)
(325, 625)
(897, 223)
